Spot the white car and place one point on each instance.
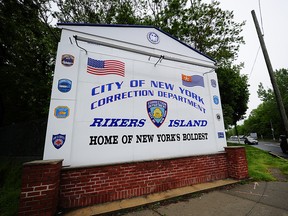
(250, 141)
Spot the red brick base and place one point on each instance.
(40, 188)
(237, 163)
(87, 186)
(93, 185)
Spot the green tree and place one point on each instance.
(29, 51)
(98, 11)
(261, 121)
(267, 115)
(205, 27)
(234, 93)
(26, 61)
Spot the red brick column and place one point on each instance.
(40, 187)
(237, 163)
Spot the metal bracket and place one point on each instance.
(159, 60)
(75, 37)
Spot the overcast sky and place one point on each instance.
(274, 19)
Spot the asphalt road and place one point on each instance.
(273, 147)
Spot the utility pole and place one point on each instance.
(271, 73)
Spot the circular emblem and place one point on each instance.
(67, 60)
(218, 116)
(153, 37)
(213, 83)
(216, 99)
(64, 85)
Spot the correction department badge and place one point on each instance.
(221, 135)
(157, 111)
(67, 60)
(213, 83)
(61, 112)
(216, 99)
(58, 140)
(64, 85)
(153, 38)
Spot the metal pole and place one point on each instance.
(271, 73)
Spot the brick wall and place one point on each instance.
(237, 163)
(40, 188)
(87, 186)
(45, 186)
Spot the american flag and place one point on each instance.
(105, 67)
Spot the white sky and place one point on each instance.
(274, 17)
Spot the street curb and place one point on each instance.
(276, 155)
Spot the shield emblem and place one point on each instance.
(157, 111)
(58, 140)
(64, 85)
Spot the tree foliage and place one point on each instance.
(28, 45)
(98, 11)
(203, 26)
(234, 93)
(266, 120)
(26, 61)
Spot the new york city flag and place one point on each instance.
(191, 81)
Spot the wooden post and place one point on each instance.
(270, 70)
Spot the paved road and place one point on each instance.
(273, 147)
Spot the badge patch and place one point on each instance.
(216, 99)
(61, 112)
(213, 83)
(218, 116)
(58, 140)
(64, 85)
(67, 60)
(220, 134)
(157, 111)
(153, 37)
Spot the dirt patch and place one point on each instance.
(278, 175)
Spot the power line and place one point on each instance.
(254, 62)
(259, 4)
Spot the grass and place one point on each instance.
(10, 186)
(259, 163)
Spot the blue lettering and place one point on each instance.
(187, 123)
(97, 122)
(191, 94)
(94, 91)
(162, 85)
(114, 123)
(120, 96)
(104, 88)
(137, 83)
(117, 122)
(133, 123)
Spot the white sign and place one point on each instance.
(114, 103)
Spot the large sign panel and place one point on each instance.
(112, 106)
